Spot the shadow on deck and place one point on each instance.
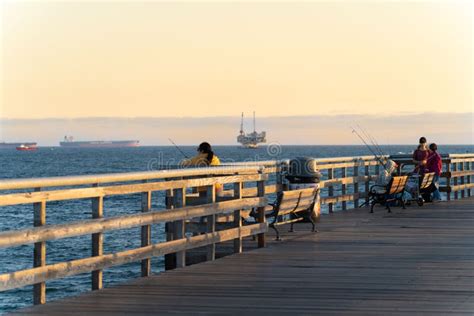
(413, 261)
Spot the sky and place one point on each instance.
(442, 128)
(86, 59)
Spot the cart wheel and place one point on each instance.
(420, 201)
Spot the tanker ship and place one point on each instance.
(4, 145)
(69, 142)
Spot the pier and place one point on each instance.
(417, 260)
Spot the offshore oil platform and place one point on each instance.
(250, 140)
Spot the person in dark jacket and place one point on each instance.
(420, 156)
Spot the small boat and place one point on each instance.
(4, 145)
(23, 147)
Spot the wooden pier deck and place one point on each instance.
(414, 261)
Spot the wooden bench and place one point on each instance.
(424, 187)
(426, 180)
(393, 191)
(291, 207)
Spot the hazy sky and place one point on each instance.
(443, 128)
(129, 59)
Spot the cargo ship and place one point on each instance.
(71, 143)
(4, 145)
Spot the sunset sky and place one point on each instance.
(153, 59)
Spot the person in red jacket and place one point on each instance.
(434, 164)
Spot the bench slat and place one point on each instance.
(398, 184)
(303, 206)
(427, 180)
(289, 221)
(287, 210)
(306, 199)
(294, 205)
(288, 203)
(308, 193)
(294, 194)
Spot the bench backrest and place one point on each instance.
(397, 184)
(296, 200)
(427, 180)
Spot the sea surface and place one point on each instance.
(55, 161)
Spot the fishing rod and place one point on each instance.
(179, 149)
(367, 136)
(372, 140)
(369, 148)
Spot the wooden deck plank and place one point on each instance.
(415, 261)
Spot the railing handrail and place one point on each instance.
(409, 156)
(13, 184)
(270, 163)
(466, 155)
(95, 192)
(225, 168)
(347, 159)
(263, 163)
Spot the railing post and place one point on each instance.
(367, 183)
(468, 178)
(180, 226)
(448, 179)
(237, 219)
(377, 172)
(455, 181)
(97, 239)
(356, 185)
(282, 170)
(331, 189)
(146, 233)
(211, 222)
(461, 164)
(343, 188)
(261, 212)
(39, 255)
(170, 259)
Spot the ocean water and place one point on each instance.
(54, 161)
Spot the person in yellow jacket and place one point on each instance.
(204, 158)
